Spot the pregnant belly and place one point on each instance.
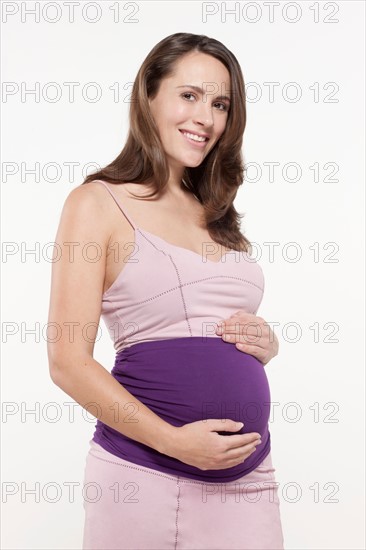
(184, 380)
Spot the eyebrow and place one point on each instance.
(200, 90)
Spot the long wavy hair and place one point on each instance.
(142, 160)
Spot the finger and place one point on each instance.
(239, 441)
(236, 454)
(256, 344)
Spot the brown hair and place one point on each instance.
(216, 180)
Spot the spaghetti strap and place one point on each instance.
(123, 210)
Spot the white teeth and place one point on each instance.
(194, 137)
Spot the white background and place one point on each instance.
(322, 453)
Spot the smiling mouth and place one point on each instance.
(194, 139)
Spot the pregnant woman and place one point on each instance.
(180, 457)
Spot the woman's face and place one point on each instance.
(179, 109)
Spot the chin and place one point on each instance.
(190, 163)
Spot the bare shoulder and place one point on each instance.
(90, 194)
(85, 213)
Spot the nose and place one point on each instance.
(203, 115)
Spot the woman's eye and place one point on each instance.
(187, 93)
(225, 108)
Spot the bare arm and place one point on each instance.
(75, 304)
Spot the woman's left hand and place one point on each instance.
(250, 334)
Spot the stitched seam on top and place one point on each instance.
(193, 283)
(227, 277)
(172, 289)
(181, 293)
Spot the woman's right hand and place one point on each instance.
(199, 444)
